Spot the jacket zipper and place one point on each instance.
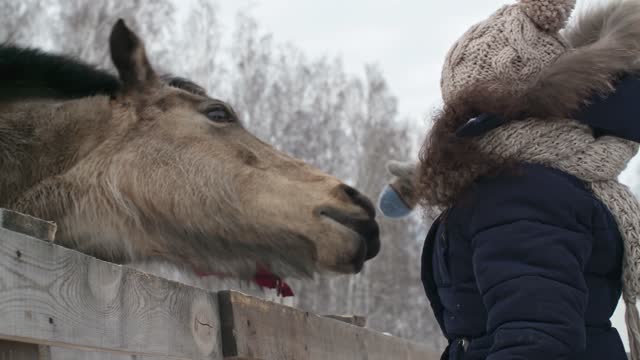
(443, 253)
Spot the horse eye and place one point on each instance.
(219, 114)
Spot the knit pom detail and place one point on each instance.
(549, 15)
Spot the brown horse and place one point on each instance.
(144, 167)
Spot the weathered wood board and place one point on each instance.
(256, 329)
(58, 304)
(10, 350)
(28, 225)
(360, 321)
(54, 296)
(56, 353)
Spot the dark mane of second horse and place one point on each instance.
(30, 73)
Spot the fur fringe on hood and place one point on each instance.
(604, 43)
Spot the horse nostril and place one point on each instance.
(360, 200)
(351, 192)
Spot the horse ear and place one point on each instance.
(130, 58)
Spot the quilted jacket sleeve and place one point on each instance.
(529, 262)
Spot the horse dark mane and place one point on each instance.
(31, 73)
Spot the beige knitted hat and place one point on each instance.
(509, 50)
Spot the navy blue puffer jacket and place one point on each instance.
(526, 265)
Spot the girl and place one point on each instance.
(535, 240)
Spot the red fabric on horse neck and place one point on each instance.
(263, 278)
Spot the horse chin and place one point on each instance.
(359, 240)
(347, 265)
(345, 269)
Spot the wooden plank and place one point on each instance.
(57, 353)
(10, 350)
(55, 296)
(356, 320)
(256, 329)
(28, 225)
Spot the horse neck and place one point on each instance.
(40, 139)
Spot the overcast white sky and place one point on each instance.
(407, 38)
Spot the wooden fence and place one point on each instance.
(59, 304)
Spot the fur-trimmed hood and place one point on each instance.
(604, 45)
